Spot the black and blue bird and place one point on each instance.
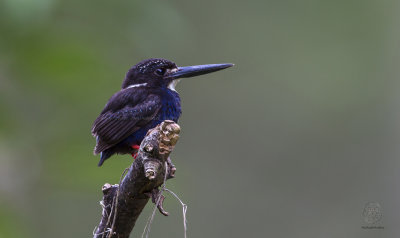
(147, 98)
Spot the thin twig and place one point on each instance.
(116, 203)
(184, 209)
(151, 218)
(94, 231)
(147, 228)
(109, 218)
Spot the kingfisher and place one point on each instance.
(147, 97)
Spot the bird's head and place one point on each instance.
(164, 73)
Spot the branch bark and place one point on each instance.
(123, 203)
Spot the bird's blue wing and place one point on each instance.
(114, 125)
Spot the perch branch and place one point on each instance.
(123, 203)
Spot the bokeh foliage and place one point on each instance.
(291, 142)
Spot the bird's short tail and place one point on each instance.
(103, 156)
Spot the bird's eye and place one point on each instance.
(160, 72)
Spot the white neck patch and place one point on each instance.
(136, 85)
(173, 84)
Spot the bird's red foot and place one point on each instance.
(135, 147)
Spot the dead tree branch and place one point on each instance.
(122, 204)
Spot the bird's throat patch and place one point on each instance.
(173, 84)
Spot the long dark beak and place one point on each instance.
(191, 71)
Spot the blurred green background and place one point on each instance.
(291, 142)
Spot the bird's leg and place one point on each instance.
(136, 148)
(155, 195)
